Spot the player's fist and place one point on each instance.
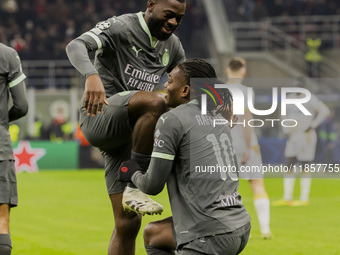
(127, 169)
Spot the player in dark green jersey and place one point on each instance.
(133, 51)
(208, 214)
(11, 82)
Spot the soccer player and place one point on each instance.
(11, 82)
(247, 148)
(301, 145)
(208, 214)
(118, 110)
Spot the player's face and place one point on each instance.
(176, 88)
(165, 16)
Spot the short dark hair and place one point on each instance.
(236, 64)
(198, 68)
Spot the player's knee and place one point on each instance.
(151, 230)
(157, 106)
(128, 226)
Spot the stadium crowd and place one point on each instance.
(256, 10)
(31, 26)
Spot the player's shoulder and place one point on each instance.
(128, 18)
(7, 51)
(116, 24)
(8, 55)
(174, 118)
(184, 112)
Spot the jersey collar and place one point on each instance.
(194, 101)
(153, 43)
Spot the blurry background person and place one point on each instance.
(248, 150)
(301, 145)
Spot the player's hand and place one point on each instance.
(127, 169)
(94, 95)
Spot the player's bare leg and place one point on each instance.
(5, 239)
(126, 228)
(305, 184)
(262, 206)
(144, 110)
(288, 185)
(158, 237)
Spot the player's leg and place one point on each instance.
(262, 206)
(126, 228)
(288, 184)
(306, 156)
(158, 237)
(291, 152)
(8, 199)
(231, 243)
(305, 185)
(144, 110)
(5, 238)
(126, 224)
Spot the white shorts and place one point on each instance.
(252, 169)
(301, 145)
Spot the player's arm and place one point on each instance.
(168, 134)
(20, 104)
(322, 113)
(78, 53)
(153, 181)
(17, 88)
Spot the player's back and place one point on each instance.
(201, 188)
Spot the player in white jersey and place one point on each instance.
(301, 145)
(247, 149)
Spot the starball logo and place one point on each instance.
(242, 101)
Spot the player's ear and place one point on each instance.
(186, 91)
(151, 4)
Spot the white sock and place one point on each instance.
(305, 183)
(288, 187)
(263, 213)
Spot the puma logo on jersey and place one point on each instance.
(163, 119)
(135, 50)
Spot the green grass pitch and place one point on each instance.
(68, 212)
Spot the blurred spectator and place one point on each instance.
(327, 138)
(250, 10)
(40, 29)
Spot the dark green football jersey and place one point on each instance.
(11, 75)
(203, 182)
(127, 58)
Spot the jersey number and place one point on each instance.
(228, 155)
